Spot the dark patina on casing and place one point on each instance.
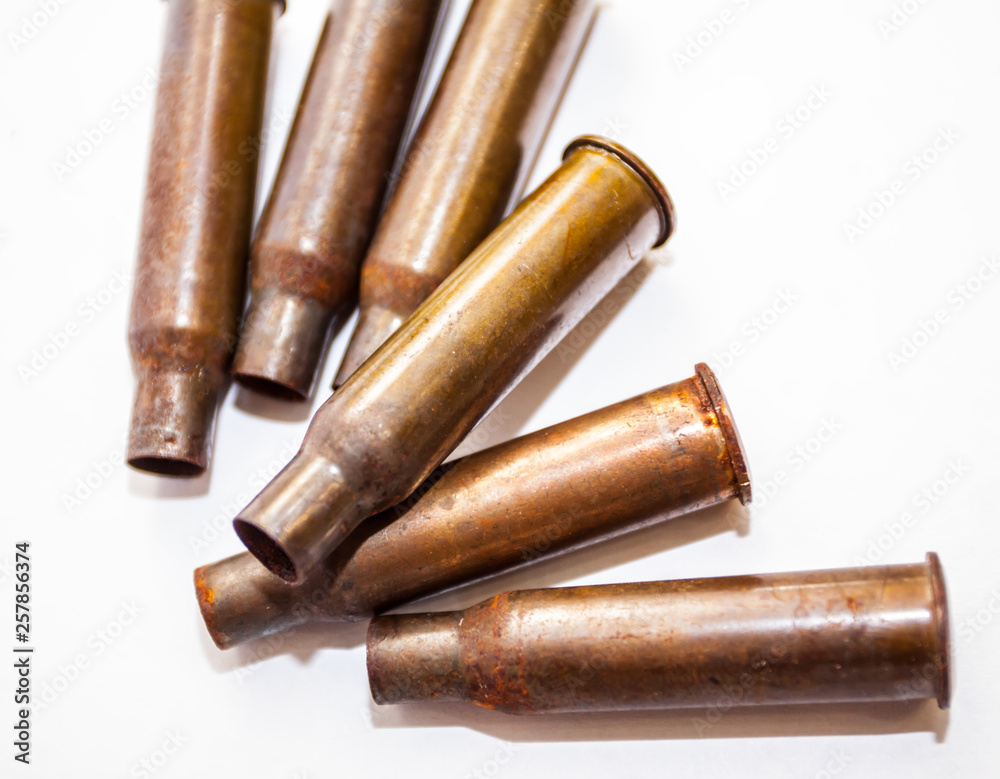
(470, 158)
(878, 633)
(395, 420)
(196, 225)
(323, 207)
(654, 457)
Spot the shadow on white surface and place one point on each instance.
(156, 487)
(260, 405)
(839, 719)
(302, 643)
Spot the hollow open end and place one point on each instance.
(173, 419)
(734, 444)
(269, 387)
(167, 466)
(242, 601)
(282, 343)
(266, 550)
(943, 678)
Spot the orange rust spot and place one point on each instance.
(206, 598)
(205, 593)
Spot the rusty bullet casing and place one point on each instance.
(412, 403)
(322, 210)
(878, 633)
(654, 457)
(470, 158)
(196, 224)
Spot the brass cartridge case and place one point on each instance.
(322, 210)
(857, 634)
(654, 457)
(396, 419)
(470, 158)
(196, 224)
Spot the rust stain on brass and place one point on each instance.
(396, 419)
(877, 633)
(189, 281)
(470, 158)
(323, 207)
(654, 457)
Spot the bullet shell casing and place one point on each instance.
(197, 217)
(654, 457)
(863, 634)
(330, 185)
(420, 394)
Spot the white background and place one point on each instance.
(827, 358)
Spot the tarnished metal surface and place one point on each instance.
(420, 394)
(856, 634)
(322, 211)
(196, 226)
(647, 459)
(471, 156)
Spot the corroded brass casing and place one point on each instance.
(470, 158)
(196, 224)
(326, 197)
(400, 415)
(856, 634)
(654, 457)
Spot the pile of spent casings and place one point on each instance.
(461, 293)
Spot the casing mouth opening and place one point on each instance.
(173, 417)
(283, 343)
(266, 550)
(264, 385)
(167, 466)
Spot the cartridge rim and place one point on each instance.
(734, 443)
(941, 620)
(665, 204)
